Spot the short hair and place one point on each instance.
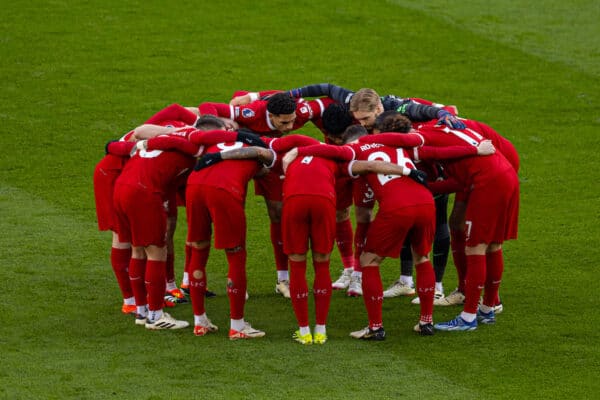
(353, 132)
(281, 103)
(336, 119)
(392, 121)
(365, 100)
(208, 122)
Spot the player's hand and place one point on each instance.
(446, 118)
(241, 100)
(139, 145)
(288, 158)
(207, 160)
(485, 148)
(247, 136)
(418, 176)
(108, 145)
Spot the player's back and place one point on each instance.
(230, 175)
(392, 190)
(309, 175)
(467, 170)
(157, 170)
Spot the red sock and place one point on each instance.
(322, 291)
(458, 243)
(474, 282)
(170, 268)
(119, 259)
(299, 291)
(373, 295)
(281, 259)
(425, 290)
(197, 275)
(236, 284)
(495, 268)
(343, 238)
(188, 257)
(137, 271)
(155, 283)
(360, 235)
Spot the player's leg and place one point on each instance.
(404, 285)
(421, 235)
(441, 243)
(372, 289)
(295, 223)
(363, 220)
(457, 244)
(322, 237)
(281, 262)
(120, 256)
(344, 234)
(495, 268)
(344, 240)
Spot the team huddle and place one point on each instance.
(405, 154)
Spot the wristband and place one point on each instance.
(406, 171)
(253, 96)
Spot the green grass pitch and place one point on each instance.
(77, 74)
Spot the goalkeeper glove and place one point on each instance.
(446, 118)
(418, 176)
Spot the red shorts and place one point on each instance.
(390, 228)
(206, 205)
(308, 217)
(141, 216)
(343, 192)
(105, 174)
(493, 210)
(362, 193)
(270, 186)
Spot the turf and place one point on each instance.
(77, 75)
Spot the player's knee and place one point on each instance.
(342, 215)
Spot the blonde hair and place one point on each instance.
(365, 100)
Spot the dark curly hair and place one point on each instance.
(336, 118)
(281, 103)
(392, 121)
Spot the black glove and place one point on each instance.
(207, 160)
(250, 138)
(418, 176)
(446, 118)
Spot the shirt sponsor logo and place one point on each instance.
(247, 113)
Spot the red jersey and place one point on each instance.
(160, 171)
(501, 144)
(466, 171)
(390, 190)
(314, 176)
(174, 115)
(230, 175)
(255, 116)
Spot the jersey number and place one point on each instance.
(401, 160)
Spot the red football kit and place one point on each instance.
(109, 168)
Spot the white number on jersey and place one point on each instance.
(474, 139)
(226, 147)
(149, 154)
(401, 160)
